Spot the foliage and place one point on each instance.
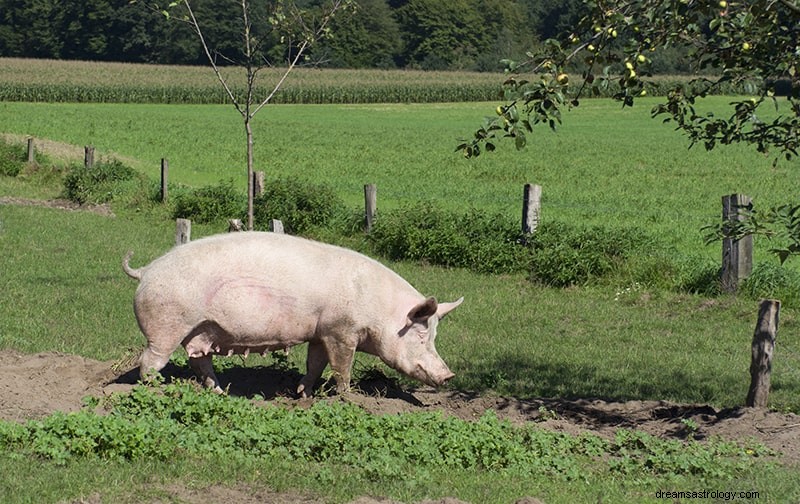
(565, 255)
(299, 205)
(99, 183)
(179, 420)
(209, 203)
(779, 224)
(558, 254)
(12, 159)
(749, 42)
(425, 232)
(374, 35)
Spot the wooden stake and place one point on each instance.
(370, 205)
(763, 347)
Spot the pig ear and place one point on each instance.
(422, 311)
(445, 308)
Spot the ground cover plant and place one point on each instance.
(623, 339)
(336, 439)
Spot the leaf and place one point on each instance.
(520, 140)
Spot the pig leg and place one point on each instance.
(341, 354)
(204, 369)
(316, 361)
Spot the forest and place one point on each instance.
(386, 34)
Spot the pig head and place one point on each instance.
(257, 292)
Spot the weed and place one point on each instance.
(298, 204)
(208, 204)
(99, 184)
(12, 159)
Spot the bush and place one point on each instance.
(98, 184)
(427, 233)
(12, 159)
(299, 205)
(565, 255)
(210, 203)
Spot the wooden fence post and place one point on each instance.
(737, 255)
(258, 183)
(531, 207)
(370, 205)
(762, 348)
(88, 156)
(183, 231)
(164, 179)
(31, 151)
(276, 226)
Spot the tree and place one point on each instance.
(748, 43)
(441, 35)
(370, 38)
(298, 28)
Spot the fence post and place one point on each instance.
(370, 205)
(88, 156)
(258, 184)
(276, 226)
(531, 207)
(762, 348)
(31, 151)
(183, 231)
(737, 255)
(164, 178)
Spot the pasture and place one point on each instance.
(64, 290)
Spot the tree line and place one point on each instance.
(387, 34)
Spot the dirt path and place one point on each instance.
(32, 386)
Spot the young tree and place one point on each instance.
(296, 27)
(743, 42)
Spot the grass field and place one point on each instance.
(63, 289)
(605, 165)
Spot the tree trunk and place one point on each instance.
(250, 184)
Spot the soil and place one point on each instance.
(35, 385)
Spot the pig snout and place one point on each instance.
(436, 377)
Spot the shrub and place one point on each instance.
(300, 205)
(424, 232)
(98, 184)
(12, 159)
(565, 254)
(210, 203)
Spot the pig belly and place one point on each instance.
(245, 315)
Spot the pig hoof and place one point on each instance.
(301, 391)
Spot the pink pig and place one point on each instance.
(248, 292)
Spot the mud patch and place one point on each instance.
(35, 385)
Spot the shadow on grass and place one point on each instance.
(524, 377)
(271, 382)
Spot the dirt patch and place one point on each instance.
(59, 204)
(35, 385)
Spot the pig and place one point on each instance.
(245, 292)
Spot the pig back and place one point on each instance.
(204, 274)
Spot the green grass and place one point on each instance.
(605, 165)
(63, 288)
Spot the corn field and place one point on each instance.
(33, 80)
